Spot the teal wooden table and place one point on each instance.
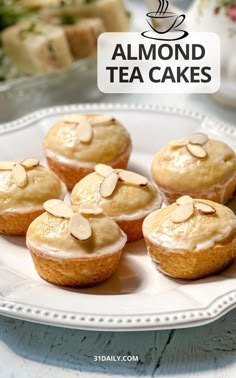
(30, 350)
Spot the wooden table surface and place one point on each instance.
(30, 350)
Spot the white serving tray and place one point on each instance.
(137, 297)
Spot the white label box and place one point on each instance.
(131, 63)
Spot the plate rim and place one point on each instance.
(115, 322)
(102, 322)
(26, 120)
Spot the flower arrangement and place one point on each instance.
(232, 12)
(226, 6)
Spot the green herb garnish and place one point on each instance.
(128, 14)
(32, 28)
(11, 13)
(67, 19)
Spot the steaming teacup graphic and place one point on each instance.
(163, 23)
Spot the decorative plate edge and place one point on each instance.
(178, 319)
(27, 120)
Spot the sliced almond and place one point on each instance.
(204, 209)
(109, 184)
(102, 119)
(183, 200)
(198, 138)
(132, 178)
(85, 131)
(196, 150)
(90, 208)
(58, 208)
(79, 227)
(179, 142)
(6, 165)
(182, 213)
(30, 163)
(73, 123)
(19, 175)
(73, 118)
(103, 169)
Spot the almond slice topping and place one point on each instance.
(30, 163)
(19, 175)
(204, 209)
(182, 213)
(183, 200)
(196, 150)
(198, 138)
(79, 227)
(73, 118)
(6, 165)
(102, 119)
(132, 178)
(58, 208)
(109, 184)
(85, 131)
(179, 142)
(103, 169)
(90, 208)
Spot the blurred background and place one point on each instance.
(48, 52)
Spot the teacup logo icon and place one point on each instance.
(164, 25)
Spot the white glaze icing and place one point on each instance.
(180, 236)
(211, 242)
(28, 209)
(127, 202)
(209, 194)
(141, 212)
(176, 170)
(63, 254)
(167, 241)
(80, 163)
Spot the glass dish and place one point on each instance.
(21, 95)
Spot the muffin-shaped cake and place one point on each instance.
(191, 238)
(24, 187)
(195, 166)
(74, 247)
(125, 196)
(74, 145)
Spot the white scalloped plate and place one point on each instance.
(137, 297)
